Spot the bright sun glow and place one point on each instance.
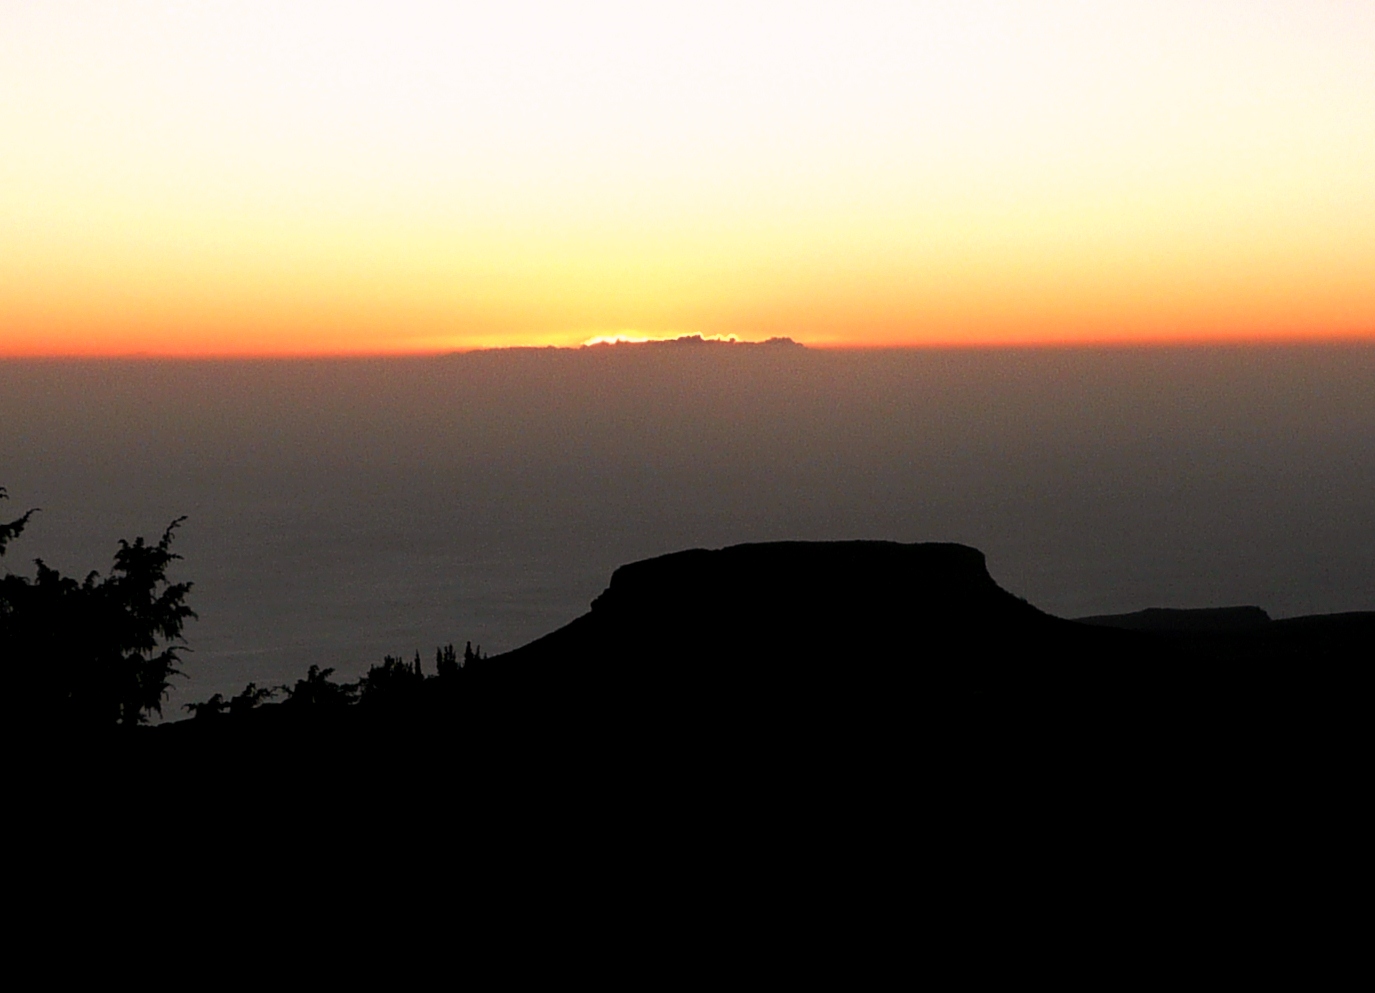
(311, 177)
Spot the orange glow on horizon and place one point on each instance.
(294, 179)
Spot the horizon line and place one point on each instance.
(600, 343)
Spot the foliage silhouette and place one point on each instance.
(252, 697)
(395, 683)
(12, 530)
(216, 706)
(100, 652)
(317, 690)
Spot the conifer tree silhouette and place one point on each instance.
(99, 652)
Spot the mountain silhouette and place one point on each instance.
(882, 625)
(765, 625)
(776, 640)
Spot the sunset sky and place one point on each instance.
(334, 177)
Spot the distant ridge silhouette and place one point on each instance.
(697, 339)
(687, 342)
(1209, 620)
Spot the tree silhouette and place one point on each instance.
(10, 531)
(446, 662)
(99, 652)
(392, 681)
(143, 607)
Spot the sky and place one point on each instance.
(335, 178)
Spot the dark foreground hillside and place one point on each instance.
(793, 657)
(806, 718)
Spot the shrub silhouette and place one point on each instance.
(99, 652)
(393, 680)
(318, 690)
(216, 706)
(394, 683)
(252, 697)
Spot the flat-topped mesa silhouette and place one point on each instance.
(798, 596)
(1214, 635)
(784, 618)
(883, 625)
